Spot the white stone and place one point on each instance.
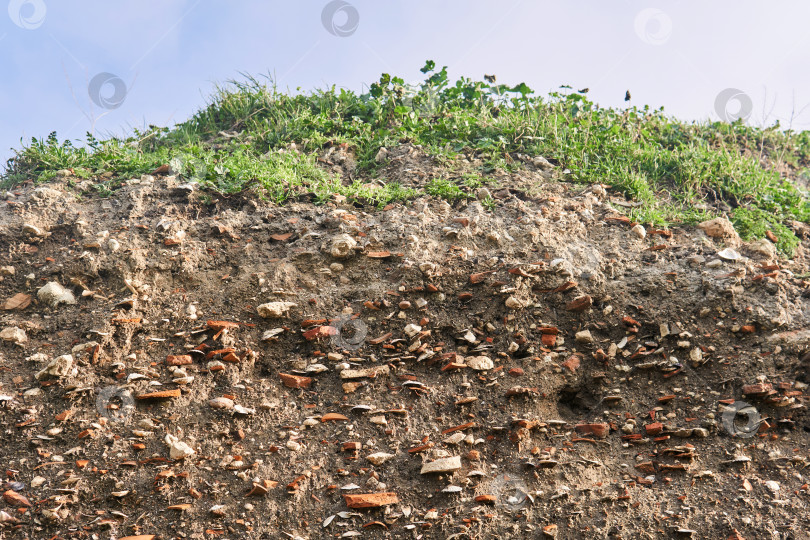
(763, 247)
(412, 329)
(33, 230)
(700, 433)
(379, 458)
(443, 465)
(483, 194)
(368, 372)
(54, 294)
(177, 448)
(81, 348)
(514, 303)
(342, 246)
(729, 255)
(275, 310)
(221, 403)
(14, 335)
(543, 163)
(720, 228)
(455, 438)
(639, 231)
(316, 368)
(241, 409)
(38, 357)
(584, 337)
(293, 445)
(480, 363)
(58, 367)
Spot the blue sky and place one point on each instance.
(165, 56)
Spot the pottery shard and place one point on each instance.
(720, 228)
(331, 417)
(598, 430)
(160, 394)
(15, 499)
(443, 465)
(480, 363)
(18, 301)
(275, 310)
(581, 303)
(370, 500)
(178, 360)
(572, 363)
(260, 489)
(295, 381)
(654, 429)
(757, 390)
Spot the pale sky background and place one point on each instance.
(168, 54)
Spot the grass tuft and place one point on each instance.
(241, 139)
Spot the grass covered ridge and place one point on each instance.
(679, 172)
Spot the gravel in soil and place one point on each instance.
(172, 366)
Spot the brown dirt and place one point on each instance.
(560, 436)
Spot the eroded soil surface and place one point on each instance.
(238, 369)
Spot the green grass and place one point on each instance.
(441, 187)
(678, 171)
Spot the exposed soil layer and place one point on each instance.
(563, 373)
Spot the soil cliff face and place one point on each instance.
(177, 366)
